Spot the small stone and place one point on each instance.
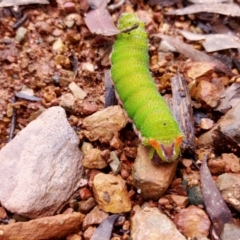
(229, 186)
(230, 232)
(232, 161)
(72, 19)
(206, 92)
(94, 159)
(115, 164)
(20, 34)
(3, 213)
(150, 179)
(151, 224)
(89, 232)
(111, 193)
(57, 32)
(206, 123)
(180, 201)
(86, 146)
(104, 124)
(89, 108)
(88, 67)
(70, 7)
(77, 92)
(87, 205)
(85, 193)
(62, 60)
(73, 237)
(216, 166)
(43, 27)
(67, 101)
(59, 47)
(115, 143)
(96, 216)
(193, 222)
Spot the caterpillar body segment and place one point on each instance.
(138, 93)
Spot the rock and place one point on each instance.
(89, 108)
(232, 162)
(96, 216)
(3, 213)
(229, 125)
(206, 92)
(193, 222)
(206, 123)
(73, 237)
(104, 124)
(115, 164)
(230, 232)
(151, 224)
(88, 67)
(77, 92)
(89, 233)
(59, 47)
(228, 161)
(229, 186)
(87, 205)
(67, 101)
(177, 200)
(150, 179)
(111, 193)
(39, 166)
(85, 193)
(54, 227)
(20, 34)
(94, 159)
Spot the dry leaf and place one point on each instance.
(217, 209)
(12, 3)
(194, 54)
(99, 21)
(213, 42)
(104, 230)
(229, 9)
(229, 98)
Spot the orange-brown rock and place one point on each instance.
(55, 227)
(193, 222)
(111, 193)
(151, 180)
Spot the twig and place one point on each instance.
(13, 121)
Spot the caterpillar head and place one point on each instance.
(168, 151)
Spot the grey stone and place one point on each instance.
(41, 167)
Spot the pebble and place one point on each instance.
(59, 47)
(229, 186)
(94, 159)
(104, 124)
(85, 193)
(149, 223)
(111, 193)
(3, 213)
(39, 166)
(67, 101)
(193, 222)
(86, 205)
(20, 34)
(96, 216)
(115, 164)
(150, 179)
(230, 232)
(77, 92)
(229, 125)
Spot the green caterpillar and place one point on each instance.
(138, 93)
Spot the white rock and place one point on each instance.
(41, 167)
(150, 223)
(78, 93)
